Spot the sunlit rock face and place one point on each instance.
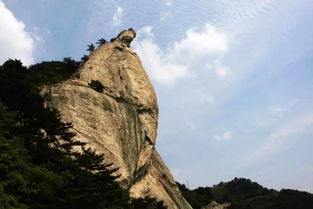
(119, 121)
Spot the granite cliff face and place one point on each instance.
(121, 121)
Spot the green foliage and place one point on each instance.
(96, 85)
(40, 173)
(39, 168)
(101, 41)
(51, 72)
(245, 194)
(84, 59)
(196, 198)
(146, 203)
(37, 74)
(91, 48)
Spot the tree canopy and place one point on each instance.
(245, 194)
(91, 48)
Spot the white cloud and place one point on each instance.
(226, 136)
(296, 126)
(209, 99)
(221, 71)
(164, 16)
(168, 2)
(209, 41)
(206, 47)
(117, 17)
(15, 41)
(277, 110)
(155, 61)
(293, 103)
(280, 138)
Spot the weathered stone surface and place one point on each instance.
(121, 121)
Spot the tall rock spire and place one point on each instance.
(119, 120)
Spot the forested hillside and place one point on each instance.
(245, 194)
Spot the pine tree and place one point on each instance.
(84, 59)
(101, 41)
(91, 48)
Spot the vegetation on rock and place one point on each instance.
(96, 85)
(101, 41)
(91, 48)
(38, 166)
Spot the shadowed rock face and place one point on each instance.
(121, 121)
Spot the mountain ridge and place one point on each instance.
(242, 193)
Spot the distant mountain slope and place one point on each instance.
(245, 194)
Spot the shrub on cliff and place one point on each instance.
(91, 48)
(101, 41)
(96, 85)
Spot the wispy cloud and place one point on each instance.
(221, 71)
(168, 2)
(277, 110)
(280, 138)
(225, 136)
(155, 60)
(206, 46)
(296, 126)
(117, 17)
(15, 41)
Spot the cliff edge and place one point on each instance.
(119, 120)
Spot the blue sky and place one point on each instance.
(234, 79)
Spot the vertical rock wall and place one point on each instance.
(121, 121)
